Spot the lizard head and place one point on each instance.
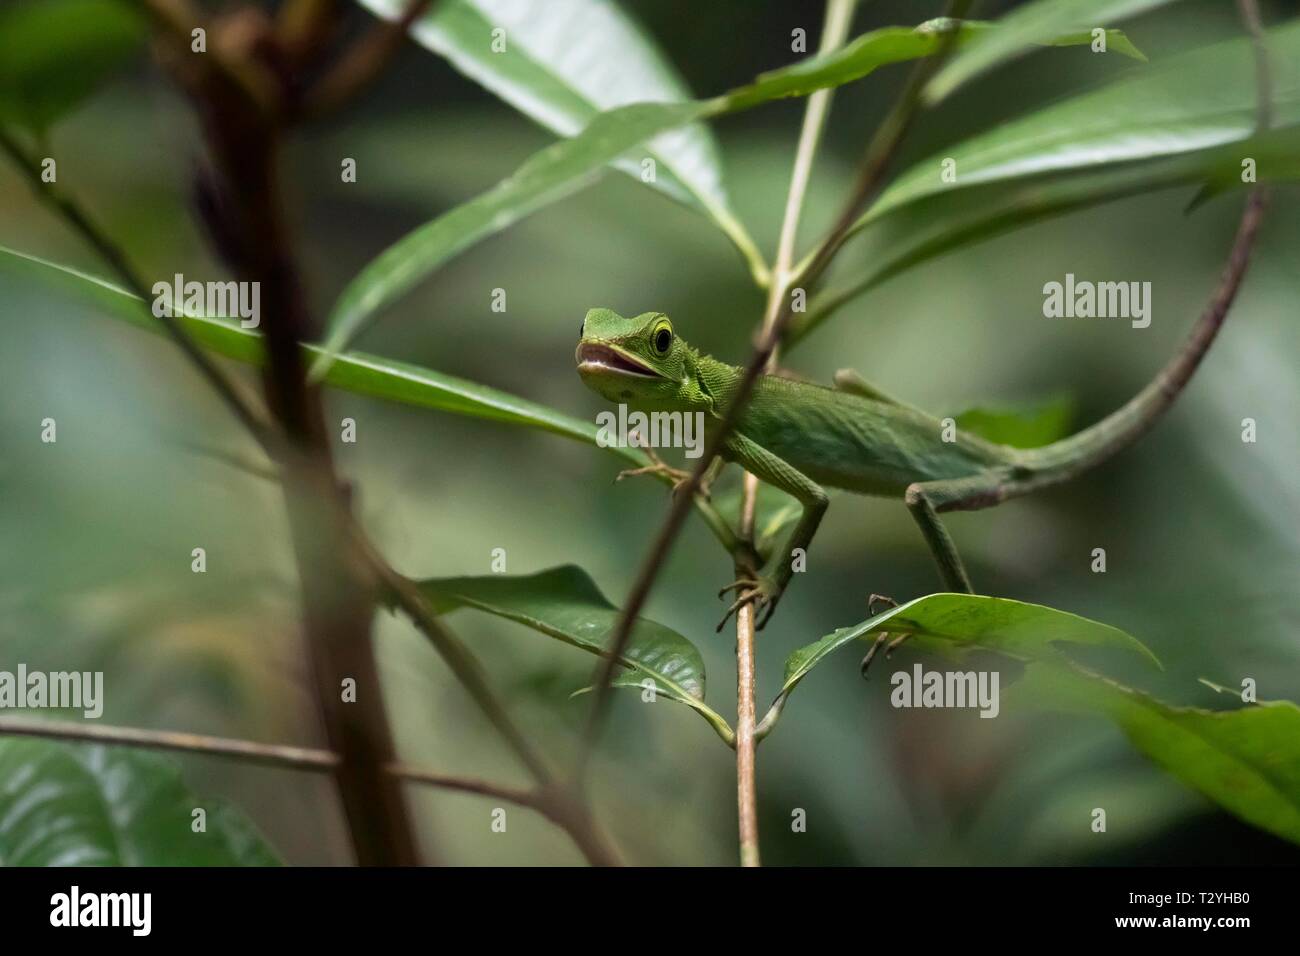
(640, 360)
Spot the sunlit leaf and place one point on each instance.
(82, 805)
(965, 622)
(563, 62)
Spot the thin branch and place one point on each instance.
(464, 666)
(248, 224)
(220, 75)
(362, 63)
(515, 795)
(551, 804)
(297, 758)
(303, 29)
(839, 14)
(879, 156)
(562, 806)
(292, 758)
(1249, 11)
(116, 259)
(746, 712)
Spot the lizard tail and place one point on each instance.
(1086, 449)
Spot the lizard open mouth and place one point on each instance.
(594, 357)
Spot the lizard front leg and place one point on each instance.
(678, 476)
(765, 588)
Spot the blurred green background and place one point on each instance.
(1200, 529)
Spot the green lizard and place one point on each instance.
(801, 436)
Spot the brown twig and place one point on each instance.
(550, 804)
(245, 218)
(363, 62)
(295, 758)
(221, 76)
(746, 710)
(564, 807)
(299, 758)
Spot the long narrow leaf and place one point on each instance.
(1027, 25)
(563, 62)
(355, 372)
(565, 167)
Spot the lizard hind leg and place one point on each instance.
(925, 499)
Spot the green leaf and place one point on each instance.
(865, 54)
(1245, 760)
(55, 53)
(81, 805)
(1156, 131)
(1031, 426)
(1035, 23)
(564, 167)
(919, 231)
(1195, 101)
(564, 603)
(356, 372)
(963, 622)
(564, 62)
(557, 171)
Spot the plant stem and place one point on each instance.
(876, 163)
(240, 199)
(551, 804)
(543, 801)
(746, 786)
(362, 63)
(562, 806)
(298, 758)
(839, 13)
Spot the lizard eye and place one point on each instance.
(663, 340)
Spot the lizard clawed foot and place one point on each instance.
(756, 589)
(875, 599)
(660, 467)
(883, 636)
